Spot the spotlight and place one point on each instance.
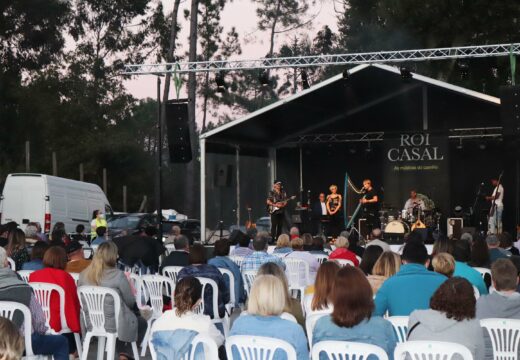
(221, 83)
(406, 74)
(482, 146)
(459, 145)
(368, 150)
(464, 68)
(305, 80)
(345, 74)
(352, 150)
(263, 78)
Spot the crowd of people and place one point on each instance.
(443, 294)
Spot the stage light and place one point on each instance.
(345, 74)
(482, 146)
(305, 80)
(406, 74)
(263, 78)
(459, 145)
(368, 150)
(221, 83)
(352, 150)
(464, 68)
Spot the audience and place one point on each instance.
(77, 262)
(353, 317)
(103, 272)
(443, 244)
(444, 263)
(451, 318)
(506, 243)
(54, 261)
(412, 287)
(100, 238)
(16, 249)
(375, 239)
(14, 289)
(369, 258)
(308, 242)
(342, 251)
(387, 265)
(31, 234)
(461, 254)
(318, 246)
(176, 328)
(283, 245)
(180, 256)
(242, 249)
(37, 252)
(200, 268)
(479, 254)
(174, 232)
(221, 260)
(11, 341)
(353, 240)
(58, 237)
(319, 296)
(260, 255)
(265, 305)
(495, 252)
(299, 253)
(294, 232)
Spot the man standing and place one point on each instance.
(497, 207)
(319, 215)
(276, 201)
(370, 202)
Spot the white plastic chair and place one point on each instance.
(505, 337)
(347, 350)
(172, 272)
(400, 325)
(214, 291)
(12, 264)
(307, 303)
(94, 248)
(431, 350)
(297, 271)
(169, 248)
(476, 292)
(237, 260)
(92, 299)
(75, 276)
(232, 295)
(210, 348)
(43, 293)
(87, 252)
(155, 286)
(248, 277)
(321, 258)
(257, 348)
(24, 274)
(343, 262)
(359, 259)
(310, 322)
(483, 271)
(8, 309)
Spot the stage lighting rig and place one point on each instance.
(220, 82)
(305, 80)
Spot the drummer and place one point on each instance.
(414, 203)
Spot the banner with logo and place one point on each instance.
(417, 161)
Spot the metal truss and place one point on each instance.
(460, 52)
(476, 133)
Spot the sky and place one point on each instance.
(255, 43)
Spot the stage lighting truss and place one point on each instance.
(400, 56)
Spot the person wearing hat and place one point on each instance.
(77, 262)
(276, 202)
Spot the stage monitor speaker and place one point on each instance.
(470, 230)
(179, 143)
(364, 232)
(223, 175)
(455, 226)
(510, 110)
(296, 219)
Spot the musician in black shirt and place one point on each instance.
(370, 203)
(276, 202)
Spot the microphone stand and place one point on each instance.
(474, 213)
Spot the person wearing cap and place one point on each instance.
(77, 262)
(276, 201)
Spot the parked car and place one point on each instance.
(129, 223)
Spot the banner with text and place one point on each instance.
(416, 161)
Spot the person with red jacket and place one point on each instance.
(342, 251)
(54, 262)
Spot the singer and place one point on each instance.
(370, 201)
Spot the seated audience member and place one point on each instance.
(353, 240)
(181, 255)
(294, 232)
(299, 253)
(443, 244)
(265, 305)
(319, 296)
(292, 305)
(77, 262)
(353, 317)
(103, 272)
(461, 254)
(11, 341)
(14, 289)
(80, 233)
(16, 249)
(506, 243)
(412, 287)
(479, 254)
(283, 245)
(444, 263)
(174, 232)
(176, 328)
(221, 260)
(387, 265)
(451, 318)
(318, 246)
(37, 252)
(100, 238)
(307, 242)
(370, 256)
(59, 238)
(199, 268)
(242, 249)
(54, 261)
(4, 234)
(31, 234)
(495, 252)
(342, 251)
(260, 255)
(375, 239)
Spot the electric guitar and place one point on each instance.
(272, 209)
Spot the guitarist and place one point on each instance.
(370, 202)
(497, 207)
(277, 198)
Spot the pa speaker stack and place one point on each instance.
(179, 144)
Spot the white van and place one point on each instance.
(48, 199)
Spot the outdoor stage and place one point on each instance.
(402, 133)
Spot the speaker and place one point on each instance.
(455, 226)
(223, 175)
(364, 232)
(179, 143)
(510, 110)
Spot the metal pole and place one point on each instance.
(54, 164)
(81, 172)
(425, 107)
(237, 162)
(124, 198)
(159, 161)
(272, 166)
(105, 185)
(301, 174)
(27, 156)
(202, 145)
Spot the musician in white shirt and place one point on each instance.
(414, 203)
(497, 207)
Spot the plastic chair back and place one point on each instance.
(231, 277)
(155, 286)
(310, 322)
(24, 274)
(92, 300)
(431, 350)
(321, 258)
(344, 262)
(297, 272)
(505, 337)
(400, 325)
(345, 350)
(210, 348)
(172, 272)
(8, 309)
(12, 264)
(257, 348)
(43, 292)
(248, 277)
(237, 260)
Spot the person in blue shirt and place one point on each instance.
(38, 250)
(412, 287)
(100, 238)
(221, 260)
(352, 318)
(266, 304)
(462, 255)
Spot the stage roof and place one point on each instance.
(373, 98)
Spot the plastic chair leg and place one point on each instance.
(144, 343)
(101, 348)
(77, 339)
(86, 345)
(135, 350)
(111, 347)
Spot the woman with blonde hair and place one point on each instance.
(444, 263)
(283, 245)
(387, 265)
(102, 271)
(11, 342)
(333, 204)
(266, 304)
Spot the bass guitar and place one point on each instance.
(493, 207)
(272, 209)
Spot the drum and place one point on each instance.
(391, 218)
(397, 227)
(404, 214)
